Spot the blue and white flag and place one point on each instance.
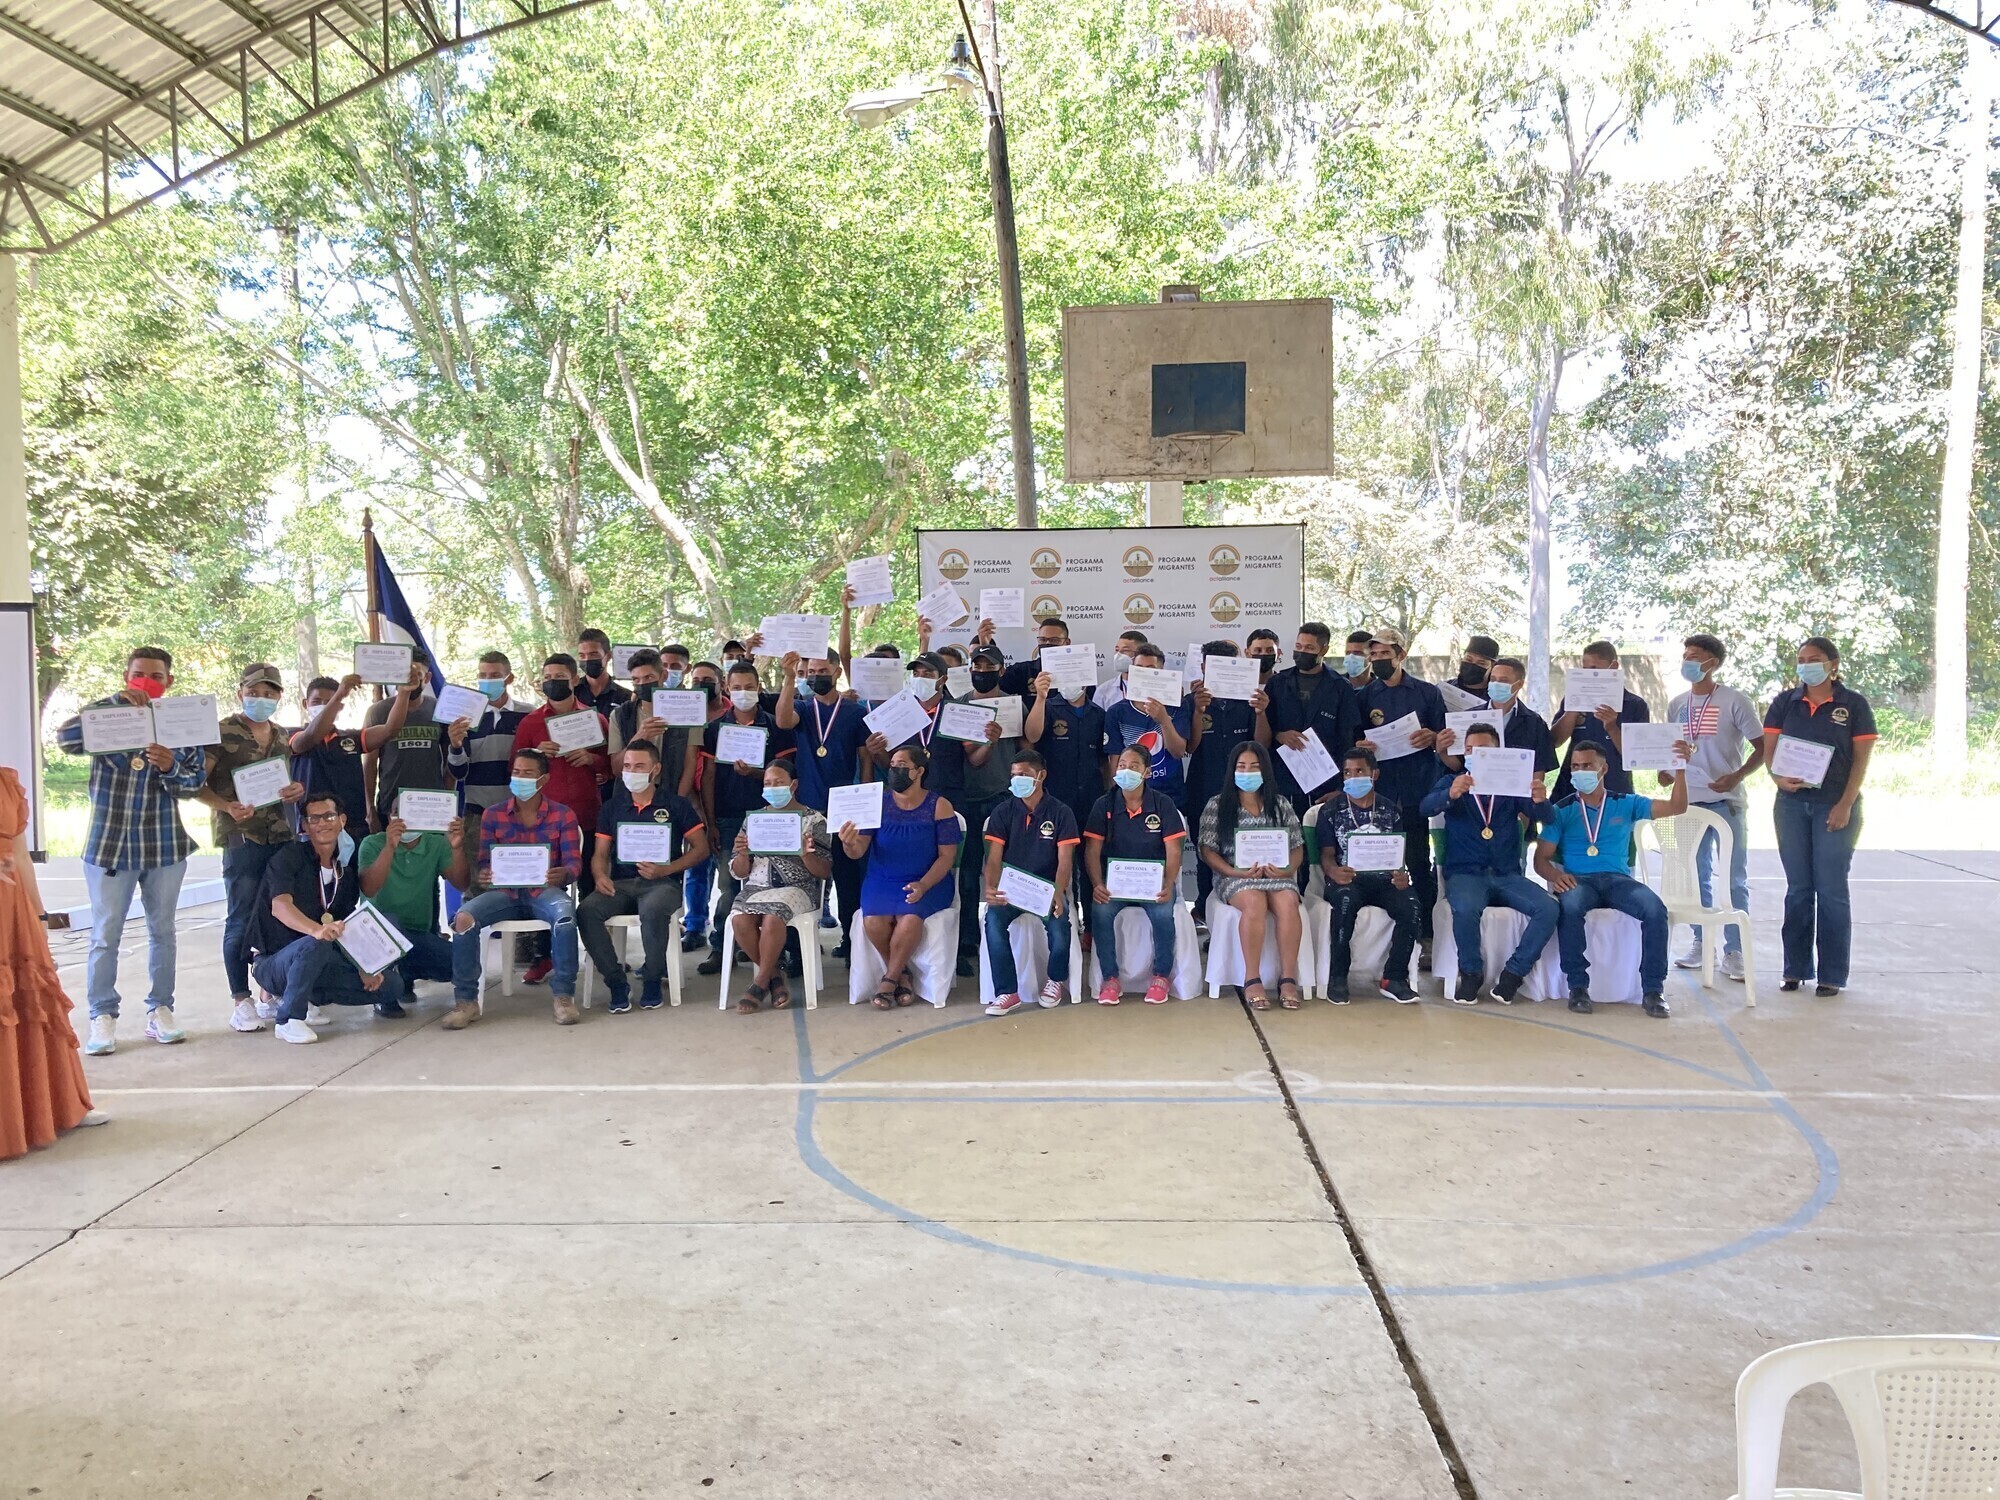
(397, 621)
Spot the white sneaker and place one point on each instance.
(160, 1026)
(1689, 958)
(1732, 966)
(267, 1006)
(244, 1017)
(316, 1016)
(295, 1031)
(103, 1036)
(95, 1117)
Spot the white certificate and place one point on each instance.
(942, 606)
(582, 730)
(958, 681)
(1463, 720)
(1587, 689)
(519, 865)
(1072, 668)
(259, 783)
(1029, 893)
(1006, 608)
(1501, 773)
(877, 678)
(1650, 747)
(1375, 851)
(1177, 661)
(107, 731)
(745, 742)
(897, 718)
(1311, 766)
(1262, 846)
(185, 723)
(775, 832)
(784, 634)
(455, 703)
(680, 707)
(1230, 676)
(645, 843)
(965, 721)
(1008, 712)
(860, 805)
(1808, 760)
(426, 812)
(870, 580)
(1153, 684)
(383, 661)
(621, 660)
(371, 940)
(1458, 699)
(1134, 879)
(1392, 740)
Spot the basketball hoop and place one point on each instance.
(1192, 453)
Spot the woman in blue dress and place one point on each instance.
(909, 870)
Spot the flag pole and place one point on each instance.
(368, 570)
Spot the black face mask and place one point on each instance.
(985, 682)
(1265, 665)
(556, 690)
(899, 779)
(705, 688)
(820, 683)
(1470, 674)
(1383, 670)
(1308, 660)
(593, 666)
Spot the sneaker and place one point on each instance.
(650, 997)
(1690, 958)
(794, 966)
(712, 964)
(1054, 993)
(694, 942)
(389, 1010)
(1579, 1001)
(94, 1117)
(1424, 955)
(461, 1015)
(1732, 966)
(243, 1017)
(1336, 992)
(566, 1012)
(842, 953)
(1156, 992)
(295, 1031)
(160, 1026)
(318, 1015)
(967, 966)
(103, 1036)
(1110, 992)
(1507, 986)
(621, 995)
(1467, 992)
(827, 921)
(538, 971)
(267, 1006)
(1656, 1005)
(1398, 990)
(1823, 991)
(1004, 1005)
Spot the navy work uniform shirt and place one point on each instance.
(1030, 838)
(840, 733)
(1226, 725)
(1405, 779)
(1072, 743)
(1320, 701)
(1843, 721)
(1617, 780)
(736, 795)
(1141, 832)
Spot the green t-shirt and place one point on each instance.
(410, 895)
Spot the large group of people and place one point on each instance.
(1073, 788)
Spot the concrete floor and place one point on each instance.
(1085, 1252)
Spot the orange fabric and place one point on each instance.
(42, 1092)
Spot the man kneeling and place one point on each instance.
(1592, 834)
(309, 887)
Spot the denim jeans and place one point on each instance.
(1373, 889)
(545, 905)
(242, 883)
(307, 971)
(1816, 862)
(1000, 951)
(697, 882)
(430, 957)
(110, 898)
(1469, 895)
(1620, 893)
(1104, 933)
(654, 902)
(1739, 870)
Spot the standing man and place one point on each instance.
(634, 718)
(1521, 728)
(1601, 729)
(327, 758)
(1068, 733)
(1111, 692)
(1019, 679)
(731, 790)
(1263, 644)
(1356, 807)
(828, 735)
(1165, 731)
(575, 777)
(399, 872)
(1475, 662)
(1306, 696)
(1392, 694)
(413, 747)
(704, 677)
(1354, 665)
(1222, 725)
(649, 889)
(1719, 722)
(483, 759)
(1037, 835)
(983, 785)
(594, 685)
(135, 843)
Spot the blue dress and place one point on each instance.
(906, 845)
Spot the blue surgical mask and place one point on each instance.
(1358, 786)
(1500, 693)
(523, 787)
(1021, 786)
(410, 836)
(1354, 664)
(344, 847)
(671, 678)
(1249, 781)
(777, 796)
(1128, 779)
(1691, 671)
(495, 688)
(1584, 781)
(257, 710)
(1812, 673)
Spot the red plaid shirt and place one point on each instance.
(554, 825)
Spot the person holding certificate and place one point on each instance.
(528, 820)
(1391, 694)
(1221, 724)
(1599, 727)
(984, 779)
(908, 876)
(646, 839)
(413, 748)
(775, 888)
(1031, 832)
(1264, 892)
(1818, 737)
(828, 735)
(327, 758)
(1521, 728)
(1585, 856)
(310, 889)
(135, 843)
(481, 763)
(1306, 695)
(733, 785)
(1483, 867)
(1068, 733)
(1721, 723)
(1165, 731)
(400, 869)
(578, 764)
(1111, 692)
(1356, 825)
(1135, 834)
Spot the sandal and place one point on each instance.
(752, 1000)
(780, 992)
(904, 994)
(885, 996)
(1254, 993)
(1288, 994)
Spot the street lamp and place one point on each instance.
(967, 74)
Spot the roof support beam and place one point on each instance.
(96, 72)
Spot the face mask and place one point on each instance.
(777, 796)
(1120, 664)
(343, 847)
(411, 838)
(705, 688)
(899, 779)
(820, 683)
(1308, 660)
(1265, 664)
(924, 687)
(743, 698)
(495, 688)
(1354, 664)
(1358, 787)
(1021, 786)
(1128, 779)
(1249, 781)
(147, 685)
(637, 781)
(673, 677)
(523, 787)
(1812, 673)
(1470, 674)
(1693, 671)
(257, 710)
(1383, 670)
(1584, 781)
(1501, 693)
(556, 690)
(593, 666)
(985, 682)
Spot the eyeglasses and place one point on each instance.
(332, 817)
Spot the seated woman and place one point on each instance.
(1262, 892)
(772, 889)
(909, 870)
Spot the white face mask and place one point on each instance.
(744, 698)
(1120, 664)
(924, 687)
(637, 781)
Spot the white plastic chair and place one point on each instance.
(503, 929)
(935, 963)
(1134, 936)
(1030, 941)
(1225, 951)
(1677, 840)
(807, 928)
(629, 925)
(1925, 1413)
(1368, 947)
(1500, 932)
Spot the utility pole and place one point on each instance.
(1020, 419)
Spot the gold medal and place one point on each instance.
(138, 762)
(821, 752)
(1486, 833)
(1590, 849)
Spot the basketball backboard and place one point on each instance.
(1197, 390)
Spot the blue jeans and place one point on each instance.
(1104, 933)
(307, 971)
(430, 957)
(1816, 862)
(110, 898)
(1469, 895)
(1000, 952)
(545, 905)
(696, 880)
(1739, 870)
(1620, 893)
(242, 883)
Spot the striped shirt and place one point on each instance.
(134, 824)
(483, 764)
